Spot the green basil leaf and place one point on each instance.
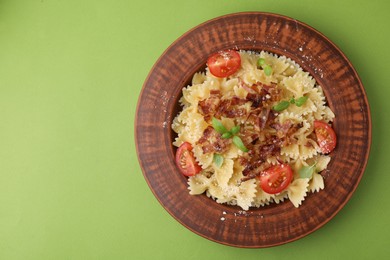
(300, 101)
(218, 160)
(235, 129)
(281, 106)
(218, 126)
(267, 70)
(260, 62)
(240, 145)
(227, 135)
(307, 171)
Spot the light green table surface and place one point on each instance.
(70, 75)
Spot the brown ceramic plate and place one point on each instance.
(158, 104)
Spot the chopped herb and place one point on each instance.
(240, 145)
(218, 160)
(266, 67)
(227, 135)
(235, 129)
(260, 62)
(267, 70)
(281, 106)
(218, 126)
(307, 171)
(284, 104)
(300, 101)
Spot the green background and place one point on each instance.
(70, 76)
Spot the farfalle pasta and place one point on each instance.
(260, 117)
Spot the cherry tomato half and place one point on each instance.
(224, 63)
(326, 137)
(276, 178)
(185, 160)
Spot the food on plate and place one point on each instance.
(224, 63)
(254, 129)
(326, 137)
(185, 160)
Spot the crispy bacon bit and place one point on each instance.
(254, 170)
(261, 94)
(211, 141)
(282, 129)
(270, 149)
(259, 99)
(215, 106)
(215, 92)
(249, 137)
(231, 108)
(246, 87)
(286, 129)
(264, 115)
(256, 160)
(251, 166)
(260, 117)
(209, 106)
(256, 99)
(308, 144)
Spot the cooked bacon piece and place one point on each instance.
(255, 161)
(272, 148)
(236, 101)
(209, 106)
(271, 89)
(215, 92)
(231, 108)
(286, 130)
(308, 144)
(294, 128)
(253, 173)
(256, 99)
(261, 94)
(249, 136)
(249, 89)
(251, 166)
(259, 118)
(282, 129)
(211, 141)
(215, 106)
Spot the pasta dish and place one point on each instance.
(254, 129)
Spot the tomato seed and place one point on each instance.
(183, 160)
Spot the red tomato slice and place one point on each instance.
(276, 178)
(326, 137)
(224, 63)
(185, 160)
